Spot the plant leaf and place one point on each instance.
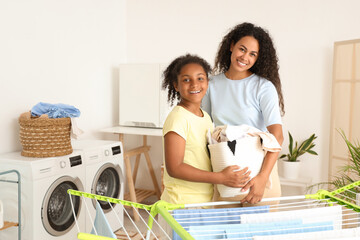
(354, 151)
(312, 152)
(291, 141)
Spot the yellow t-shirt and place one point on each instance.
(193, 129)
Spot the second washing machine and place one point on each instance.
(104, 170)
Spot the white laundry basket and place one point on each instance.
(1, 214)
(248, 153)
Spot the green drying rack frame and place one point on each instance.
(161, 207)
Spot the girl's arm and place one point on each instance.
(258, 183)
(174, 146)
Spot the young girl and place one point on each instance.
(247, 90)
(188, 177)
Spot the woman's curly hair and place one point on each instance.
(173, 70)
(266, 65)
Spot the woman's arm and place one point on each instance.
(174, 146)
(258, 183)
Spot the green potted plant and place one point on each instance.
(347, 173)
(291, 162)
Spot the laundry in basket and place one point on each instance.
(241, 145)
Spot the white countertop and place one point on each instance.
(134, 130)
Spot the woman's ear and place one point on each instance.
(231, 46)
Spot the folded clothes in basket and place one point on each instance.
(219, 216)
(241, 145)
(228, 133)
(58, 110)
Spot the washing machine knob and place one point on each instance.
(107, 152)
(62, 164)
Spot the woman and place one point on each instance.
(247, 90)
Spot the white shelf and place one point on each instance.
(134, 130)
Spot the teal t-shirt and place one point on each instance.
(253, 101)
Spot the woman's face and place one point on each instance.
(244, 54)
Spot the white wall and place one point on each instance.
(68, 52)
(60, 52)
(303, 30)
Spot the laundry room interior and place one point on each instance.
(71, 52)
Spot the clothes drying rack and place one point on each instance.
(331, 215)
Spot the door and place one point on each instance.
(345, 114)
(57, 214)
(107, 182)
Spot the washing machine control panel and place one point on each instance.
(76, 160)
(116, 150)
(62, 164)
(107, 152)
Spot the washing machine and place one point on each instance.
(46, 207)
(104, 167)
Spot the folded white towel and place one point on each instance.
(75, 130)
(343, 234)
(310, 215)
(240, 131)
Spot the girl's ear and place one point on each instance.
(175, 86)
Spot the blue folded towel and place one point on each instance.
(248, 231)
(58, 110)
(101, 224)
(201, 217)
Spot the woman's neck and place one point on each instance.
(235, 75)
(193, 108)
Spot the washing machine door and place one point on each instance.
(107, 182)
(56, 212)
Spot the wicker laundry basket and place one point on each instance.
(44, 137)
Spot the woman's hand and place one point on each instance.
(257, 188)
(258, 183)
(233, 176)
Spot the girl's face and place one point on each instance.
(192, 83)
(244, 54)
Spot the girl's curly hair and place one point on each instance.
(173, 70)
(266, 65)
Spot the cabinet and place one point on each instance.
(18, 182)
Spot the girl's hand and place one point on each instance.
(257, 187)
(233, 176)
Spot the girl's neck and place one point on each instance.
(193, 108)
(235, 75)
